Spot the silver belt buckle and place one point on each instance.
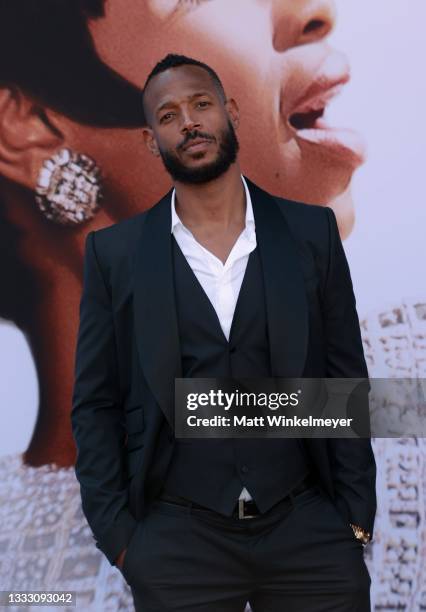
(241, 514)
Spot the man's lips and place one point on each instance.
(196, 144)
(305, 118)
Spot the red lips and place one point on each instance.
(304, 115)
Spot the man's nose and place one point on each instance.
(297, 22)
(188, 121)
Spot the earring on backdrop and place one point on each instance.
(68, 188)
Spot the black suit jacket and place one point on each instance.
(128, 356)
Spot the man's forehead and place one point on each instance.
(179, 82)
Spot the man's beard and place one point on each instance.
(227, 155)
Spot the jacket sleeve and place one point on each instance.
(352, 459)
(97, 416)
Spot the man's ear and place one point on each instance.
(27, 137)
(149, 139)
(233, 112)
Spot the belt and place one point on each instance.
(243, 509)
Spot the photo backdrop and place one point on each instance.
(371, 172)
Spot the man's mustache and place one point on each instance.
(193, 135)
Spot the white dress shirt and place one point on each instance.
(221, 282)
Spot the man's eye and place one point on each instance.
(166, 117)
(203, 103)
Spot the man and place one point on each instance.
(219, 279)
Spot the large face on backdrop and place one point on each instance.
(274, 59)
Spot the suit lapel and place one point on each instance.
(154, 307)
(286, 302)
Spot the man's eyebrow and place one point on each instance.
(171, 104)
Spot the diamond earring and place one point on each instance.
(68, 188)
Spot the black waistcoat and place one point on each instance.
(213, 472)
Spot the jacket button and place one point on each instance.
(233, 349)
(244, 469)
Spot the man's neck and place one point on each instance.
(219, 203)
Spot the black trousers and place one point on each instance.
(299, 557)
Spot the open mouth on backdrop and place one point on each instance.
(307, 121)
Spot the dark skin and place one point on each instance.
(179, 101)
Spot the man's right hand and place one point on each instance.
(120, 559)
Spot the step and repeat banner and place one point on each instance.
(332, 99)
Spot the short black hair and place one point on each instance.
(47, 52)
(173, 60)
